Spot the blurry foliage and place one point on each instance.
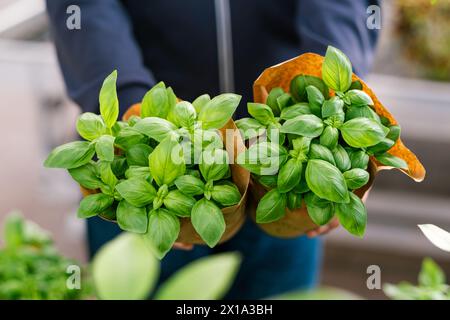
(423, 27)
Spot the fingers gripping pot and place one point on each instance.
(297, 221)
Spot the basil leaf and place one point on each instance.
(326, 181)
(301, 144)
(381, 147)
(361, 112)
(163, 230)
(305, 125)
(284, 101)
(356, 85)
(318, 151)
(166, 162)
(155, 102)
(106, 174)
(319, 210)
(301, 82)
(249, 127)
(184, 114)
(128, 137)
(214, 164)
(142, 173)
(334, 106)
(362, 132)
(294, 200)
(269, 182)
(263, 158)
(341, 158)
(315, 99)
(179, 203)
(431, 275)
(190, 185)
(208, 221)
(295, 110)
(119, 166)
(90, 126)
(271, 207)
(356, 178)
(86, 176)
(272, 102)
(394, 133)
(70, 155)
(218, 111)
(357, 98)
(156, 128)
(353, 215)
(94, 204)
(137, 192)
(289, 175)
(131, 218)
(104, 147)
(200, 102)
(109, 104)
(336, 70)
(138, 154)
(226, 195)
(329, 137)
(392, 161)
(359, 159)
(261, 112)
(273, 133)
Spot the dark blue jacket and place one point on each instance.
(176, 41)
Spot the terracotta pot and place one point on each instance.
(297, 222)
(234, 215)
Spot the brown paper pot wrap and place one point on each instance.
(234, 215)
(297, 222)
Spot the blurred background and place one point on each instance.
(411, 76)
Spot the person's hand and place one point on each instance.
(323, 229)
(182, 246)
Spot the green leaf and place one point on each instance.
(271, 207)
(341, 158)
(357, 98)
(294, 200)
(200, 102)
(264, 158)
(214, 164)
(179, 203)
(142, 173)
(361, 112)
(137, 192)
(284, 101)
(269, 182)
(381, 147)
(329, 137)
(301, 144)
(131, 218)
(137, 155)
(359, 159)
(124, 268)
(208, 221)
(301, 82)
(394, 132)
(289, 175)
(190, 185)
(353, 215)
(315, 100)
(70, 155)
(319, 210)
(318, 151)
(218, 111)
(356, 178)
(156, 128)
(155, 102)
(356, 85)
(129, 137)
(250, 128)
(184, 114)
(362, 132)
(295, 110)
(336, 70)
(86, 176)
(392, 161)
(226, 195)
(104, 147)
(166, 162)
(326, 181)
(333, 106)
(206, 278)
(163, 230)
(119, 166)
(109, 104)
(106, 174)
(304, 125)
(90, 126)
(272, 102)
(94, 204)
(261, 112)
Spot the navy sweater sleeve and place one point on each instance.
(341, 24)
(105, 42)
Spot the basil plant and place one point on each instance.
(153, 169)
(308, 147)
